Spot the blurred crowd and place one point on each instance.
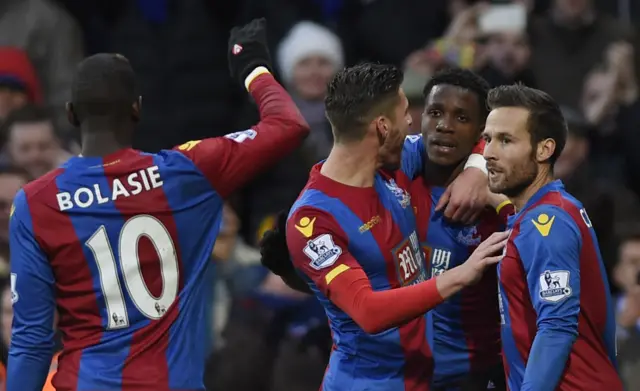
(263, 335)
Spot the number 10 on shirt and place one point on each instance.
(129, 262)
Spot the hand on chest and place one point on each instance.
(447, 245)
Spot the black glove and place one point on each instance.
(248, 49)
(273, 248)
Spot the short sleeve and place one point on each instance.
(318, 247)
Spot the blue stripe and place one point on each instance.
(364, 248)
(197, 213)
(100, 365)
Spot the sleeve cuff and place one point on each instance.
(253, 75)
(502, 205)
(477, 161)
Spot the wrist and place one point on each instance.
(260, 70)
(450, 282)
(476, 160)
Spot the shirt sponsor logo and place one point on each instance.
(322, 251)
(409, 261)
(554, 285)
(438, 258)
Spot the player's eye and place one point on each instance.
(463, 118)
(434, 113)
(505, 141)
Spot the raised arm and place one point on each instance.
(230, 161)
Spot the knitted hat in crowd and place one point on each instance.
(308, 39)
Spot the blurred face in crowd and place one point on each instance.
(10, 100)
(570, 10)
(34, 147)
(311, 76)
(510, 156)
(451, 124)
(628, 267)
(573, 155)
(9, 185)
(392, 131)
(508, 52)
(6, 315)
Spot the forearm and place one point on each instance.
(27, 368)
(547, 359)
(278, 113)
(376, 311)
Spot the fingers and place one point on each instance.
(444, 200)
(475, 216)
(491, 260)
(497, 237)
(495, 248)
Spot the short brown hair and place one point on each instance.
(358, 94)
(545, 118)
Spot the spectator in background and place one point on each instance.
(307, 59)
(32, 142)
(52, 41)
(12, 179)
(506, 54)
(610, 103)
(627, 277)
(19, 84)
(566, 43)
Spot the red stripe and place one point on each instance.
(79, 315)
(418, 366)
(480, 313)
(146, 366)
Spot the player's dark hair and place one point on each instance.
(462, 78)
(358, 94)
(104, 87)
(26, 114)
(545, 117)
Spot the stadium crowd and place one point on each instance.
(264, 335)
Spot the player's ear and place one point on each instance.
(135, 109)
(545, 150)
(71, 115)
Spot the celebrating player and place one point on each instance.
(119, 240)
(558, 329)
(352, 234)
(464, 331)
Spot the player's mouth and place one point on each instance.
(443, 146)
(493, 170)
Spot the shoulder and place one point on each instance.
(413, 144)
(548, 225)
(314, 236)
(43, 189)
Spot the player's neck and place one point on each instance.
(352, 165)
(102, 143)
(437, 175)
(544, 177)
